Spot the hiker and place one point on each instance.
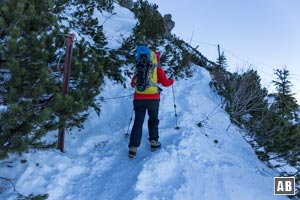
(148, 100)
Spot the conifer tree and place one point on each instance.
(285, 104)
(28, 29)
(278, 130)
(222, 61)
(31, 40)
(151, 23)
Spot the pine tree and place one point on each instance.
(222, 61)
(28, 28)
(31, 40)
(278, 130)
(286, 141)
(285, 104)
(151, 23)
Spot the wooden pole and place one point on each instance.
(65, 88)
(219, 55)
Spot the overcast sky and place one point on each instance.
(261, 33)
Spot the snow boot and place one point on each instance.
(155, 145)
(132, 152)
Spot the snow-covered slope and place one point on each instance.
(117, 25)
(194, 163)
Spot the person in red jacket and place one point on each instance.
(148, 100)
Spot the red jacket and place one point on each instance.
(161, 78)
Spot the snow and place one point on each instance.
(209, 162)
(117, 25)
(193, 163)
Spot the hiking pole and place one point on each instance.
(176, 127)
(127, 134)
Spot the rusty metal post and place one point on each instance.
(65, 88)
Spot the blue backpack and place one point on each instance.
(142, 67)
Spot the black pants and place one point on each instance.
(140, 107)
